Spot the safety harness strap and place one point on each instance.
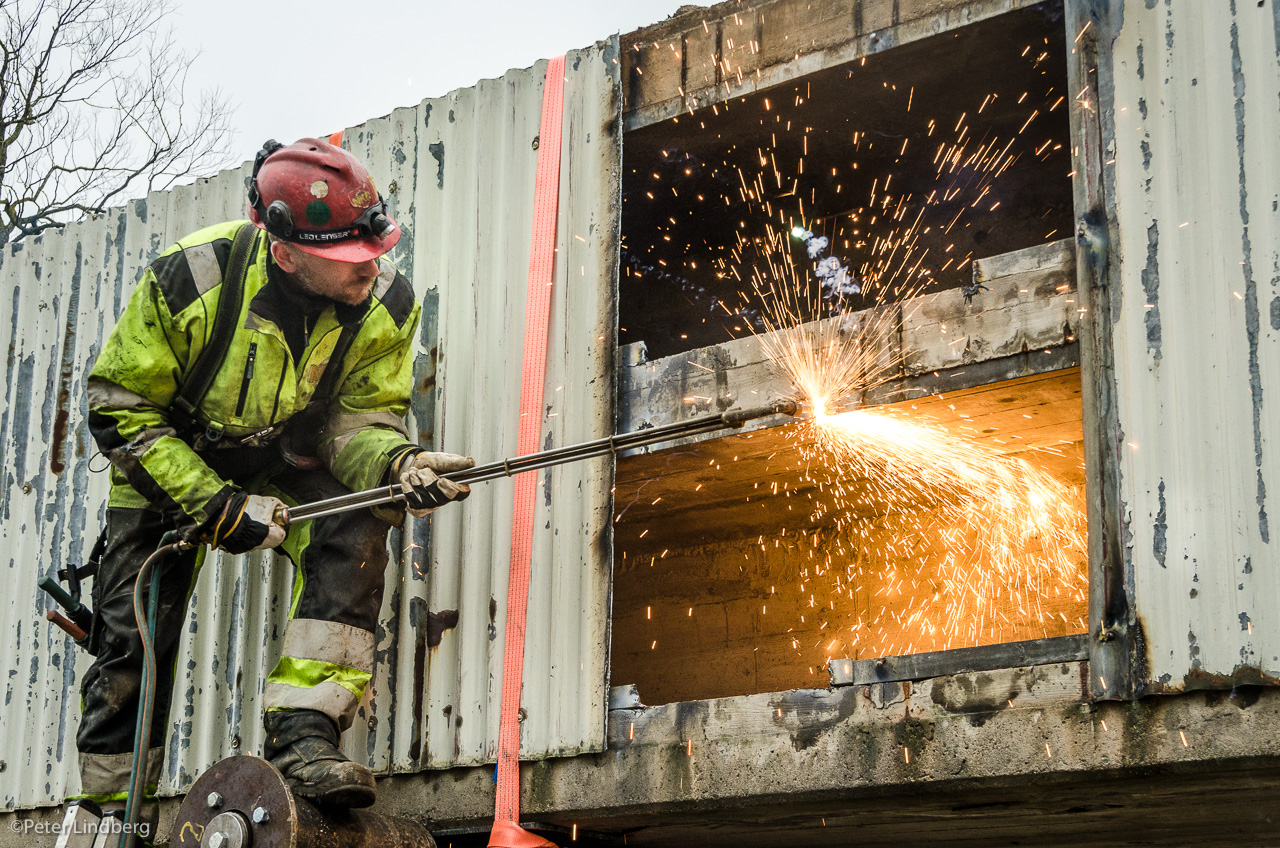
(209, 360)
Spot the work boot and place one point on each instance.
(303, 746)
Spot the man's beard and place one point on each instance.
(303, 279)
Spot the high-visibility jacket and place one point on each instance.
(259, 386)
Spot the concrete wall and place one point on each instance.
(980, 759)
(1014, 756)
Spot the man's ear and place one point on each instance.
(283, 255)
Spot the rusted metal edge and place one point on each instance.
(1241, 677)
(1057, 649)
(1090, 30)
(974, 374)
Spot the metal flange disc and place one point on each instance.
(255, 796)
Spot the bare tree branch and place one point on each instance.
(94, 110)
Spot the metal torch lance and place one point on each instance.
(543, 459)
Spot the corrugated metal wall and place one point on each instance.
(471, 198)
(458, 171)
(1197, 335)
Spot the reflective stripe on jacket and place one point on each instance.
(166, 324)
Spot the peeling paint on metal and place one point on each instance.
(1250, 288)
(546, 478)
(66, 369)
(1151, 281)
(438, 623)
(1160, 545)
(437, 153)
(1195, 345)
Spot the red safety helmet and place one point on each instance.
(322, 199)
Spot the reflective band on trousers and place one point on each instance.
(328, 696)
(329, 642)
(325, 667)
(105, 775)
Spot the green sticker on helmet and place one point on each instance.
(318, 213)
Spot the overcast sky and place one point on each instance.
(294, 68)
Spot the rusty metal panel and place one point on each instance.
(62, 293)
(459, 172)
(463, 168)
(1193, 125)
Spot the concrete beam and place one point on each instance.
(1025, 317)
(748, 764)
(969, 759)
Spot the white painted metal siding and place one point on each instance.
(463, 169)
(1197, 334)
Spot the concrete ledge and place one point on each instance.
(1013, 734)
(933, 761)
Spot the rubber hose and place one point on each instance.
(148, 576)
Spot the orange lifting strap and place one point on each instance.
(546, 197)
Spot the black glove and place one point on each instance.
(246, 523)
(425, 491)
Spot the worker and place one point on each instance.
(308, 402)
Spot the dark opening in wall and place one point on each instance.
(738, 569)
(910, 163)
(746, 564)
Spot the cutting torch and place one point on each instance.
(80, 616)
(393, 492)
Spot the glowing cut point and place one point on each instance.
(799, 232)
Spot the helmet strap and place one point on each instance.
(255, 196)
(279, 223)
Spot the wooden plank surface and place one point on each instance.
(711, 490)
(1029, 305)
(712, 538)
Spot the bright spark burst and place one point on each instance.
(965, 543)
(830, 360)
(1012, 536)
(917, 536)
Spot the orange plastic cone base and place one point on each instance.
(507, 834)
